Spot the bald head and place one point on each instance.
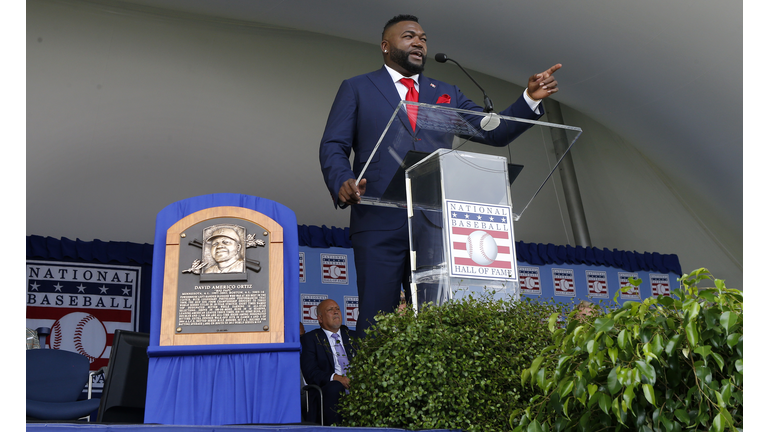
(329, 315)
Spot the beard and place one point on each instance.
(401, 58)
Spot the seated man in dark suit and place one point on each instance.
(325, 355)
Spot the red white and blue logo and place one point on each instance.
(632, 292)
(309, 304)
(481, 241)
(659, 284)
(334, 269)
(530, 280)
(351, 311)
(564, 282)
(82, 304)
(597, 284)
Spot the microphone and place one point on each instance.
(442, 58)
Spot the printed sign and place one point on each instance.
(530, 280)
(334, 269)
(597, 284)
(659, 284)
(564, 282)
(309, 304)
(351, 311)
(82, 304)
(633, 292)
(482, 243)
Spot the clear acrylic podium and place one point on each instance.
(459, 203)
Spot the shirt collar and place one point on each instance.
(396, 76)
(328, 333)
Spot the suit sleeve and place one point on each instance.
(338, 140)
(507, 131)
(312, 360)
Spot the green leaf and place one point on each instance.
(656, 346)
(704, 350)
(540, 381)
(534, 426)
(692, 333)
(605, 402)
(718, 359)
(727, 320)
(717, 424)
(650, 396)
(613, 382)
(647, 370)
(683, 416)
(591, 389)
(536, 364)
(565, 388)
(623, 339)
(733, 339)
(672, 345)
(553, 321)
(613, 353)
(603, 324)
(590, 346)
(740, 365)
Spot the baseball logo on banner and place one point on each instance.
(659, 285)
(351, 311)
(530, 280)
(597, 284)
(564, 282)
(302, 269)
(82, 304)
(482, 242)
(632, 292)
(334, 269)
(309, 304)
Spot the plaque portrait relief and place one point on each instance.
(224, 247)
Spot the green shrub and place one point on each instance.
(453, 366)
(663, 364)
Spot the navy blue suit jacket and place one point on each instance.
(317, 363)
(359, 114)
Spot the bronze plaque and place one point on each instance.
(223, 279)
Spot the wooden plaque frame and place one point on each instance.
(174, 237)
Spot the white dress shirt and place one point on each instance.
(332, 343)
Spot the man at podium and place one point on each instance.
(359, 114)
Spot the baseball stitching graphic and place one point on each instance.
(80, 332)
(482, 248)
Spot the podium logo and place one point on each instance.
(334, 269)
(482, 244)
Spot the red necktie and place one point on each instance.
(411, 96)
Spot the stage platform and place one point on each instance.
(95, 427)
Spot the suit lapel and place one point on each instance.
(427, 91)
(383, 82)
(325, 346)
